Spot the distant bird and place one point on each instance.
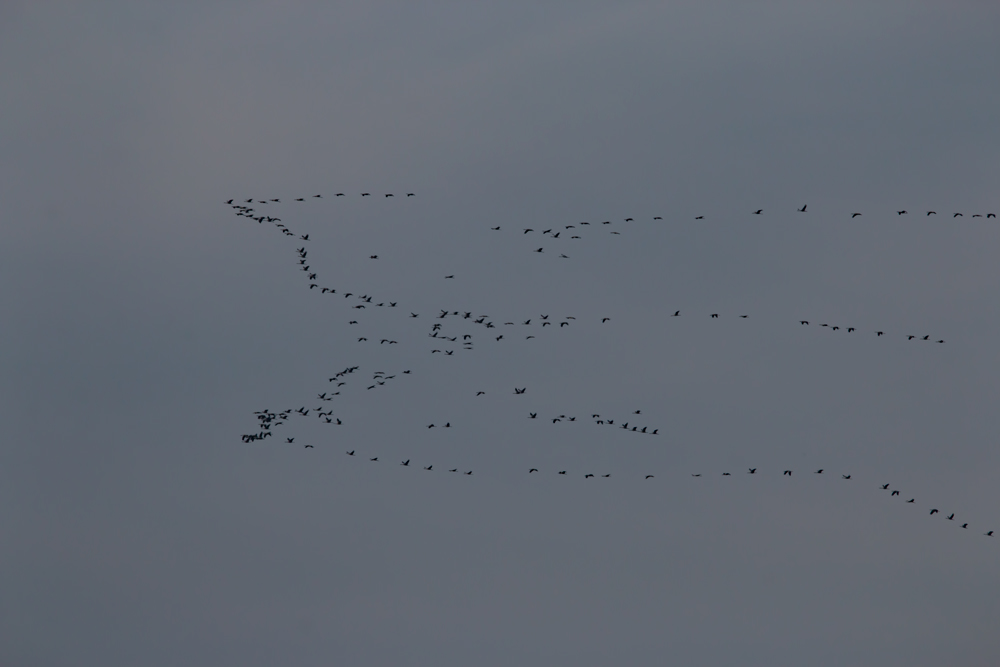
(819, 472)
(885, 486)
(405, 463)
(410, 194)
(289, 440)
(988, 533)
(428, 467)
(951, 517)
(533, 414)
(933, 512)
(365, 194)
(533, 470)
(605, 320)
(350, 453)
(900, 212)
(894, 493)
(803, 209)
(931, 212)
(451, 276)
(677, 313)
(699, 217)
(957, 215)
(751, 471)
(803, 321)
(758, 211)
(588, 475)
(649, 476)
(562, 472)
(846, 476)
(373, 459)
(854, 215)
(787, 472)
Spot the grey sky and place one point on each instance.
(145, 323)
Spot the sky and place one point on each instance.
(146, 323)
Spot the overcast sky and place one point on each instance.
(145, 323)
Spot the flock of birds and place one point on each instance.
(466, 328)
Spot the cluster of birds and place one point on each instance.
(462, 335)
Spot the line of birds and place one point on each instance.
(277, 200)
(564, 234)
(268, 419)
(647, 476)
(759, 211)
